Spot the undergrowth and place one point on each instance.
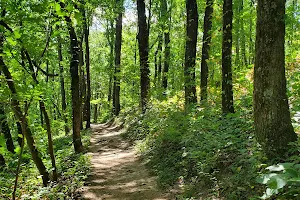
(205, 153)
(72, 168)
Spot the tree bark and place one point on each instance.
(50, 141)
(227, 92)
(62, 86)
(143, 39)
(82, 85)
(166, 16)
(159, 63)
(118, 46)
(2, 160)
(87, 67)
(76, 107)
(272, 119)
(205, 48)
(6, 130)
(190, 52)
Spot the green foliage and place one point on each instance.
(73, 170)
(205, 153)
(283, 182)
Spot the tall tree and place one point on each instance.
(227, 93)
(143, 39)
(76, 107)
(118, 45)
(190, 51)
(166, 14)
(205, 48)
(87, 67)
(62, 84)
(272, 119)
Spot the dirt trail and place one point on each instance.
(117, 173)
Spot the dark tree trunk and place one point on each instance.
(205, 48)
(82, 85)
(190, 52)
(50, 141)
(96, 110)
(272, 119)
(166, 16)
(4, 128)
(109, 89)
(76, 107)
(118, 45)
(87, 66)
(159, 63)
(20, 134)
(251, 49)
(227, 93)
(143, 38)
(62, 86)
(242, 34)
(2, 160)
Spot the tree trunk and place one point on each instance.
(118, 45)
(76, 107)
(190, 52)
(96, 110)
(166, 16)
(242, 34)
(4, 128)
(2, 160)
(62, 86)
(20, 134)
(82, 85)
(227, 93)
(143, 39)
(87, 66)
(50, 141)
(159, 63)
(272, 119)
(205, 48)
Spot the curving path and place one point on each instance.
(117, 173)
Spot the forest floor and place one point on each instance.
(117, 172)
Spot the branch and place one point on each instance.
(43, 71)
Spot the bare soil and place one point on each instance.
(117, 171)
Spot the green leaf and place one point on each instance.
(11, 41)
(276, 168)
(17, 34)
(2, 141)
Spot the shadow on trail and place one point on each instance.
(117, 173)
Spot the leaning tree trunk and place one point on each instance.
(190, 52)
(227, 93)
(205, 48)
(272, 119)
(143, 38)
(24, 123)
(118, 45)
